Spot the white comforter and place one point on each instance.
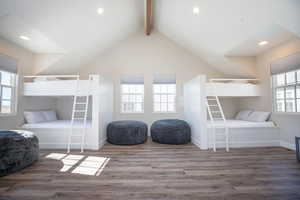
(57, 124)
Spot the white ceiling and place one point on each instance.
(225, 26)
(72, 27)
(222, 30)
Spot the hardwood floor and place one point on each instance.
(154, 171)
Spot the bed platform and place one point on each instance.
(54, 134)
(233, 88)
(59, 85)
(248, 134)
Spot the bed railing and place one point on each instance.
(63, 77)
(234, 80)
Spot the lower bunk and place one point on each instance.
(55, 134)
(247, 134)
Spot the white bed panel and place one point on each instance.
(232, 89)
(54, 135)
(250, 137)
(195, 110)
(244, 124)
(59, 88)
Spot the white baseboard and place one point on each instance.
(196, 141)
(245, 144)
(102, 142)
(287, 145)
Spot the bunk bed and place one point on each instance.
(199, 114)
(56, 133)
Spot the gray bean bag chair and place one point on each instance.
(18, 149)
(171, 131)
(127, 132)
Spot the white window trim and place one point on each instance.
(14, 97)
(297, 83)
(175, 101)
(121, 102)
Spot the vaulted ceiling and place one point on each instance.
(221, 33)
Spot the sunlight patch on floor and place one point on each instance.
(80, 164)
(91, 166)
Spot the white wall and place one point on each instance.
(25, 63)
(149, 55)
(289, 124)
(64, 105)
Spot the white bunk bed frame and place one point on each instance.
(101, 92)
(196, 113)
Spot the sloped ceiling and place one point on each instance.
(224, 34)
(224, 27)
(70, 27)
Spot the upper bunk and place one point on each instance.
(60, 85)
(233, 88)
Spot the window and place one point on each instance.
(7, 93)
(287, 92)
(132, 94)
(164, 93)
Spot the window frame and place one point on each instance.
(284, 87)
(14, 94)
(121, 99)
(153, 99)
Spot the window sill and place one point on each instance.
(286, 113)
(165, 112)
(126, 113)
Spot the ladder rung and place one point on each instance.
(76, 118)
(216, 111)
(79, 110)
(212, 99)
(81, 103)
(213, 105)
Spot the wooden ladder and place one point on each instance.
(216, 114)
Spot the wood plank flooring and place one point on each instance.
(155, 171)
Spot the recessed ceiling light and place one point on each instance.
(100, 11)
(196, 10)
(262, 43)
(23, 37)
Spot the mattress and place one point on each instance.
(244, 124)
(59, 124)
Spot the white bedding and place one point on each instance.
(244, 124)
(59, 124)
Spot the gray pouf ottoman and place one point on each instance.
(18, 149)
(171, 131)
(127, 132)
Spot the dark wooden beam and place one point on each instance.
(148, 16)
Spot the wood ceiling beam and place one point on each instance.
(148, 16)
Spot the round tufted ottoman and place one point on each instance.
(18, 149)
(127, 132)
(171, 131)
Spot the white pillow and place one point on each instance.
(34, 117)
(50, 115)
(243, 115)
(259, 116)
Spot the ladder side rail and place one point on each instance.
(73, 114)
(225, 125)
(213, 125)
(85, 113)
